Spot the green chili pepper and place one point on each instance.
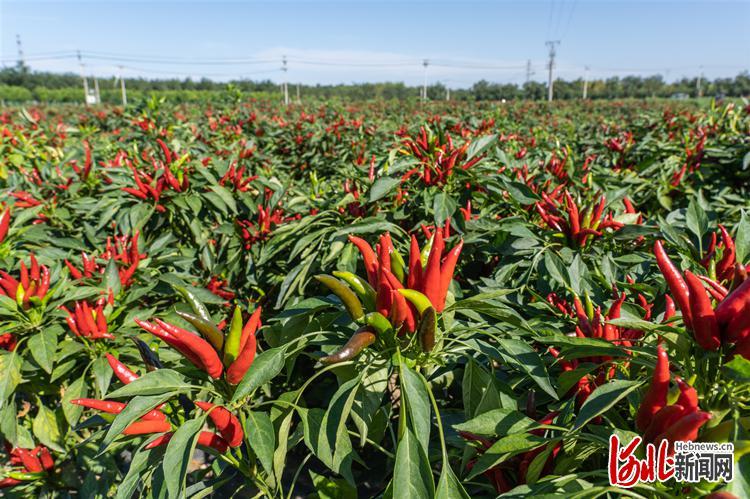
(589, 305)
(360, 286)
(232, 343)
(198, 307)
(207, 329)
(419, 300)
(361, 339)
(26, 476)
(397, 265)
(378, 321)
(345, 294)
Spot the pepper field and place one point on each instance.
(243, 299)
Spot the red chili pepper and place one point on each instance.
(113, 407)
(688, 396)
(735, 304)
(656, 395)
(369, 257)
(225, 422)
(205, 439)
(685, 429)
(446, 273)
(194, 348)
(726, 264)
(414, 279)
(4, 224)
(29, 462)
(676, 283)
(147, 427)
(46, 458)
(431, 281)
(662, 420)
(705, 327)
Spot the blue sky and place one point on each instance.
(353, 41)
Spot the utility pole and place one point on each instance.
(286, 88)
(585, 81)
(447, 93)
(425, 63)
(528, 71)
(122, 89)
(85, 81)
(552, 53)
(21, 63)
(298, 99)
(698, 89)
(96, 90)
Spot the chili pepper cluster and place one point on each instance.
(727, 324)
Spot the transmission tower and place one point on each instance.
(21, 63)
(529, 72)
(425, 63)
(284, 68)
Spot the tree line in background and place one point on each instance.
(22, 85)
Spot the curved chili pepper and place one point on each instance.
(188, 342)
(361, 287)
(705, 327)
(369, 258)
(345, 294)
(414, 279)
(225, 422)
(446, 273)
(656, 395)
(727, 261)
(195, 349)
(736, 303)
(361, 339)
(676, 283)
(663, 419)
(207, 329)
(198, 307)
(738, 329)
(685, 429)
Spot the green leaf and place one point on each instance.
(261, 437)
(155, 382)
(263, 369)
(225, 196)
(46, 428)
(497, 422)
(696, 219)
(10, 367)
(738, 368)
(112, 277)
(479, 146)
(382, 187)
(443, 206)
(503, 449)
(742, 238)
(412, 476)
(448, 486)
(417, 402)
(604, 398)
(76, 390)
(43, 346)
(332, 488)
(179, 454)
(521, 354)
